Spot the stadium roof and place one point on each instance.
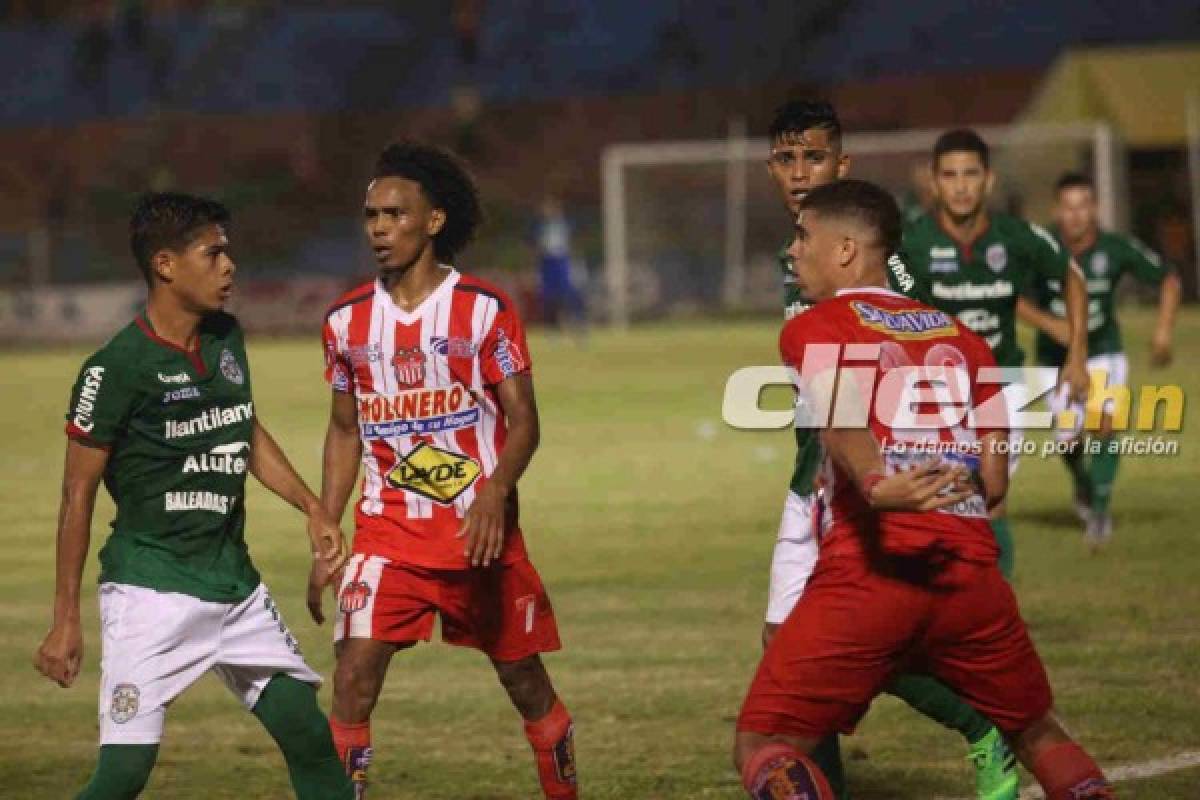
(1142, 91)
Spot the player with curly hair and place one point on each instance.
(432, 393)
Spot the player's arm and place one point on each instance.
(483, 526)
(927, 487)
(1053, 326)
(993, 468)
(1170, 292)
(61, 653)
(273, 470)
(1075, 297)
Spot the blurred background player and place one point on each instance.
(974, 264)
(562, 302)
(432, 392)
(1104, 257)
(806, 153)
(903, 577)
(165, 415)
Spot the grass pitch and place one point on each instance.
(652, 524)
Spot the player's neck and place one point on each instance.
(410, 286)
(963, 230)
(171, 321)
(1084, 243)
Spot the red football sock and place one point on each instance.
(1066, 772)
(553, 740)
(353, 745)
(779, 771)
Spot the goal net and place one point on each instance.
(693, 228)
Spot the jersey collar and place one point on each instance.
(409, 317)
(192, 355)
(869, 290)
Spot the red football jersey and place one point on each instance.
(431, 425)
(845, 356)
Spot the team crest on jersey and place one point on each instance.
(124, 706)
(354, 597)
(905, 324)
(409, 364)
(996, 257)
(1099, 263)
(230, 368)
(431, 472)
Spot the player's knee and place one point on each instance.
(356, 682)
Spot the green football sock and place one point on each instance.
(1077, 464)
(1102, 471)
(938, 701)
(828, 756)
(121, 772)
(1004, 538)
(288, 710)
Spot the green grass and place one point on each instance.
(654, 541)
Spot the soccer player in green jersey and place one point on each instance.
(1104, 257)
(163, 414)
(806, 152)
(974, 264)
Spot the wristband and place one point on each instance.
(869, 482)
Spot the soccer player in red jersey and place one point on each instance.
(432, 392)
(898, 585)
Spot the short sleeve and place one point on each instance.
(1145, 264)
(100, 403)
(338, 372)
(1047, 257)
(504, 351)
(810, 346)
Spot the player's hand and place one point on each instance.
(1160, 350)
(61, 653)
(926, 487)
(327, 539)
(319, 576)
(483, 527)
(1075, 376)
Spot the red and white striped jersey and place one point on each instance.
(431, 425)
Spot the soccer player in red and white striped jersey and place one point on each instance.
(432, 393)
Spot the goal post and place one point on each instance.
(693, 226)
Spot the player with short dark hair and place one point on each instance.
(806, 153)
(164, 415)
(1105, 258)
(432, 392)
(907, 571)
(974, 263)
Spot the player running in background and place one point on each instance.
(974, 264)
(806, 152)
(432, 393)
(163, 413)
(1104, 257)
(902, 579)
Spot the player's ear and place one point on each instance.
(437, 221)
(162, 264)
(847, 251)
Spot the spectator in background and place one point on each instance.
(562, 301)
(93, 49)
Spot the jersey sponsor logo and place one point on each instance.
(973, 291)
(904, 279)
(938, 252)
(943, 266)
(175, 395)
(179, 377)
(124, 704)
(452, 347)
(409, 365)
(437, 474)
(227, 459)
(341, 380)
(85, 404)
(199, 501)
(230, 368)
(354, 597)
(210, 420)
(996, 257)
(508, 355)
(1098, 263)
(362, 354)
(914, 324)
(416, 411)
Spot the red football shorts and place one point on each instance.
(854, 628)
(502, 610)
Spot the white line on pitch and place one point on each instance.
(1134, 772)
